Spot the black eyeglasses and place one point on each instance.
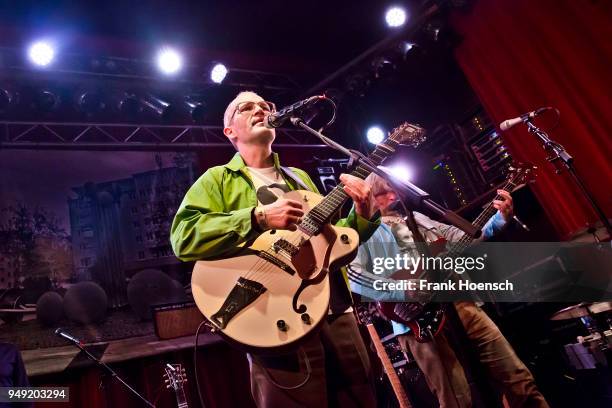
(249, 106)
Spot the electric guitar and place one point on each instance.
(174, 378)
(427, 318)
(398, 389)
(276, 289)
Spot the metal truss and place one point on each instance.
(131, 69)
(125, 136)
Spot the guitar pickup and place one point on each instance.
(284, 245)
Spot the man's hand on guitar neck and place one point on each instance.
(505, 205)
(361, 194)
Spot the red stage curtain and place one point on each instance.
(519, 55)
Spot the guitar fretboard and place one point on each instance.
(396, 384)
(481, 220)
(331, 204)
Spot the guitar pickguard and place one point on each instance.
(243, 293)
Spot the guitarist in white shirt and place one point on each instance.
(218, 213)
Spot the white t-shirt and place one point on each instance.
(269, 184)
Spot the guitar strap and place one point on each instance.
(291, 174)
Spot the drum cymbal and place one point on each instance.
(600, 307)
(572, 312)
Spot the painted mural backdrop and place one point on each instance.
(84, 242)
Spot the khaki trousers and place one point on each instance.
(446, 377)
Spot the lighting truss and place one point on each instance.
(124, 136)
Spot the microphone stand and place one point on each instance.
(409, 192)
(560, 154)
(111, 372)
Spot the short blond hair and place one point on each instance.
(231, 107)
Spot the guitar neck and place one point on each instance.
(332, 203)
(181, 400)
(396, 384)
(480, 221)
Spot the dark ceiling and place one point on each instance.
(317, 33)
(308, 40)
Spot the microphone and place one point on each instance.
(62, 333)
(507, 124)
(277, 119)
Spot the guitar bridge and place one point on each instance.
(242, 294)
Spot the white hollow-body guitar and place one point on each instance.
(276, 290)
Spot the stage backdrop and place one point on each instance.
(84, 242)
(520, 55)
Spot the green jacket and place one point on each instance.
(215, 215)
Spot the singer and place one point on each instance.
(234, 203)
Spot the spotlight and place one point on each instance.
(169, 61)
(375, 135)
(197, 110)
(382, 67)
(129, 106)
(7, 98)
(41, 53)
(404, 48)
(395, 17)
(218, 73)
(401, 171)
(46, 101)
(90, 103)
(169, 112)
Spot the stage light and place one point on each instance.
(395, 17)
(90, 103)
(401, 171)
(7, 99)
(197, 110)
(41, 53)
(218, 73)
(382, 67)
(129, 106)
(169, 61)
(375, 135)
(168, 110)
(46, 101)
(404, 48)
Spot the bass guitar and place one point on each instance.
(276, 289)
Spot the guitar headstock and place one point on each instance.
(174, 376)
(522, 173)
(408, 134)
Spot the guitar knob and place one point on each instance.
(281, 325)
(344, 238)
(306, 318)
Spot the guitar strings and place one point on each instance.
(264, 267)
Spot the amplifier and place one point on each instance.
(173, 320)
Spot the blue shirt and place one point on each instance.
(384, 244)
